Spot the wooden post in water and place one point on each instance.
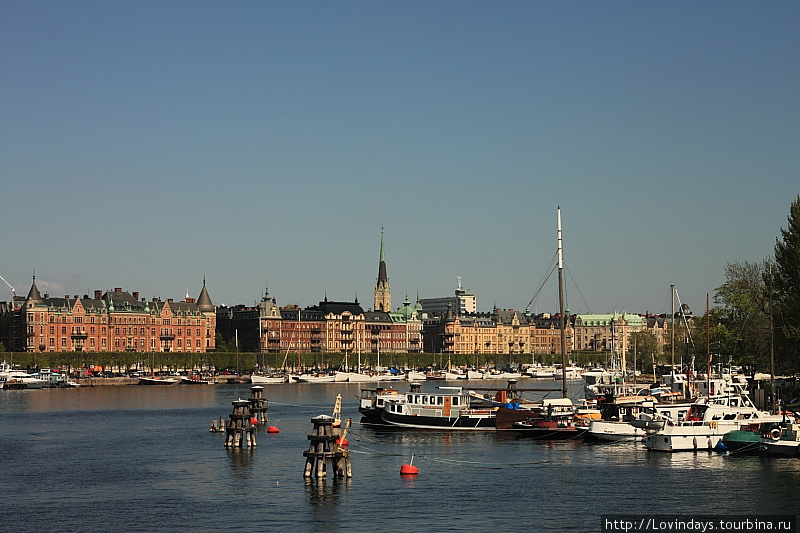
(258, 404)
(239, 429)
(323, 447)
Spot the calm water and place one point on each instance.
(142, 459)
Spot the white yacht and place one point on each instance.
(707, 420)
(19, 379)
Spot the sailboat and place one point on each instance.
(553, 426)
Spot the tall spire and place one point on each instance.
(383, 293)
(204, 303)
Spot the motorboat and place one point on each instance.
(706, 422)
(157, 380)
(616, 417)
(782, 439)
(267, 379)
(372, 402)
(19, 379)
(315, 378)
(196, 379)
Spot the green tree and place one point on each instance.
(741, 322)
(786, 280)
(644, 346)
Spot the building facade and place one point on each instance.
(501, 332)
(115, 321)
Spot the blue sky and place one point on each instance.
(147, 145)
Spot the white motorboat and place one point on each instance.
(315, 378)
(156, 380)
(19, 379)
(267, 379)
(706, 422)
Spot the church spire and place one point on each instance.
(383, 293)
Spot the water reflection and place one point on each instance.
(241, 462)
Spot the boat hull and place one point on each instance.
(548, 430)
(610, 431)
(469, 422)
(157, 381)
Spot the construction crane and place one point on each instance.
(13, 293)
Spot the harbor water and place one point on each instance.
(135, 458)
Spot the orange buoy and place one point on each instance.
(273, 429)
(342, 442)
(254, 420)
(409, 469)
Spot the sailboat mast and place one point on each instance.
(563, 321)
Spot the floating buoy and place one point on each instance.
(720, 447)
(254, 420)
(409, 469)
(273, 429)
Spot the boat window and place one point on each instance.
(409, 398)
(425, 400)
(744, 416)
(418, 399)
(455, 400)
(729, 416)
(440, 400)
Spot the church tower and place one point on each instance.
(383, 294)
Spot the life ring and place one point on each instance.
(713, 424)
(775, 434)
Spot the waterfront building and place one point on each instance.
(115, 321)
(462, 303)
(503, 332)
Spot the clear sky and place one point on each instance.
(147, 145)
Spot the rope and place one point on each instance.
(478, 464)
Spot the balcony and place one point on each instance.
(78, 333)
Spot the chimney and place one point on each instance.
(98, 295)
(169, 299)
(135, 295)
(118, 290)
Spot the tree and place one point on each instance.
(645, 347)
(740, 326)
(786, 283)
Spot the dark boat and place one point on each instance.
(555, 428)
(448, 411)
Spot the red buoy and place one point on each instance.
(342, 442)
(273, 429)
(409, 469)
(254, 420)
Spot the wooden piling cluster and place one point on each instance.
(239, 429)
(323, 448)
(258, 404)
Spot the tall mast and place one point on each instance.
(561, 310)
(772, 347)
(672, 323)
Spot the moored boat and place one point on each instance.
(157, 380)
(447, 410)
(195, 379)
(706, 423)
(553, 428)
(268, 379)
(781, 440)
(743, 441)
